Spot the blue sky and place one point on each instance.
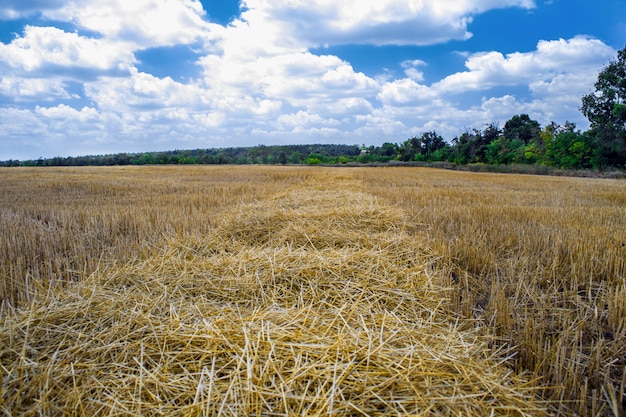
(83, 77)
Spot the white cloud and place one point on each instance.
(347, 107)
(144, 23)
(302, 120)
(557, 74)
(498, 108)
(18, 123)
(294, 78)
(411, 71)
(47, 48)
(33, 89)
(64, 112)
(405, 92)
(345, 79)
(57, 131)
(261, 82)
(143, 92)
(384, 22)
(551, 60)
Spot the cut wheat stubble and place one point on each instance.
(315, 302)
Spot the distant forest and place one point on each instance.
(521, 141)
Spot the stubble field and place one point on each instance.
(310, 291)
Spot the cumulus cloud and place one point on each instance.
(64, 112)
(39, 64)
(33, 89)
(551, 59)
(143, 92)
(260, 80)
(411, 69)
(384, 22)
(143, 23)
(294, 79)
(556, 74)
(405, 92)
(42, 49)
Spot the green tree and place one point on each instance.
(386, 152)
(316, 159)
(422, 148)
(145, 159)
(569, 149)
(367, 158)
(522, 127)
(431, 143)
(441, 154)
(472, 146)
(296, 157)
(410, 148)
(491, 133)
(503, 151)
(313, 160)
(463, 148)
(606, 111)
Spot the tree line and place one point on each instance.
(521, 140)
(279, 154)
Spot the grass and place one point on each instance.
(309, 291)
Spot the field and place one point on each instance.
(310, 291)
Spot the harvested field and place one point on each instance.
(314, 302)
(323, 292)
(59, 225)
(541, 261)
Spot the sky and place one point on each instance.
(87, 77)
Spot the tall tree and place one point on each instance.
(521, 127)
(409, 148)
(431, 142)
(606, 111)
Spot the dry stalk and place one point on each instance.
(317, 301)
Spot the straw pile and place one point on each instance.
(315, 302)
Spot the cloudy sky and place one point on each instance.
(83, 77)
